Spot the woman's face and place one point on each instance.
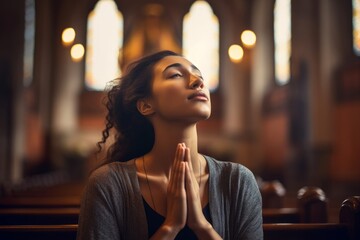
(179, 92)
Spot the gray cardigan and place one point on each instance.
(112, 206)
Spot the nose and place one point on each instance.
(196, 82)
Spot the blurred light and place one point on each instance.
(77, 52)
(68, 36)
(282, 41)
(198, 24)
(236, 53)
(104, 42)
(248, 38)
(356, 26)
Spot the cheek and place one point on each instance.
(167, 93)
(169, 101)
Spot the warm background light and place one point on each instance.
(68, 36)
(236, 53)
(77, 52)
(248, 38)
(199, 24)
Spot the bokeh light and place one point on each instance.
(77, 52)
(236, 53)
(248, 38)
(68, 36)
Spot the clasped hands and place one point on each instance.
(183, 195)
(184, 201)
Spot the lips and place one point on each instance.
(198, 96)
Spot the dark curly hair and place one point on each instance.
(134, 134)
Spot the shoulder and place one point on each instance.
(112, 174)
(231, 169)
(232, 177)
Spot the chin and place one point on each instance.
(200, 116)
(205, 115)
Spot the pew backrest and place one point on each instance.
(38, 232)
(350, 215)
(308, 231)
(281, 215)
(312, 205)
(35, 216)
(40, 202)
(279, 231)
(273, 194)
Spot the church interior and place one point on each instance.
(293, 119)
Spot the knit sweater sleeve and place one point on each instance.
(112, 205)
(97, 218)
(248, 205)
(235, 201)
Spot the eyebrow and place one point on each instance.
(181, 66)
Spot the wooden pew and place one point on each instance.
(30, 216)
(40, 202)
(311, 208)
(38, 232)
(347, 229)
(350, 214)
(39, 216)
(45, 210)
(308, 231)
(285, 231)
(272, 193)
(312, 204)
(281, 215)
(60, 195)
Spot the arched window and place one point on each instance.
(104, 43)
(282, 39)
(201, 41)
(29, 41)
(356, 26)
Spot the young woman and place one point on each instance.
(155, 184)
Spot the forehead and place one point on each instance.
(169, 60)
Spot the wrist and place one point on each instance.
(200, 229)
(166, 231)
(169, 229)
(205, 231)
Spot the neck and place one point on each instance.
(160, 158)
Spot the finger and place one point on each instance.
(180, 171)
(188, 159)
(189, 184)
(177, 159)
(187, 176)
(177, 168)
(173, 174)
(182, 175)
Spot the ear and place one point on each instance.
(144, 107)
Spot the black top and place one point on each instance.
(154, 221)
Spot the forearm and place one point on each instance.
(207, 232)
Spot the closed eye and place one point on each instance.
(176, 75)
